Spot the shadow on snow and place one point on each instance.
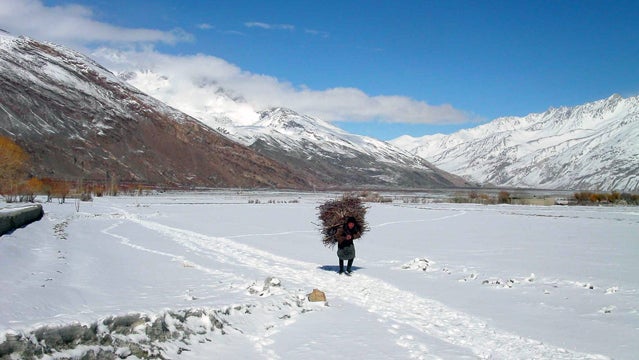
(335, 268)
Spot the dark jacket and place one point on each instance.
(344, 231)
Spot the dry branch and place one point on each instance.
(334, 214)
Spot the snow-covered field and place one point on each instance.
(200, 276)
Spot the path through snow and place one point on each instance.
(417, 322)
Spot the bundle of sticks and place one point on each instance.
(335, 213)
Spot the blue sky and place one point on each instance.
(463, 62)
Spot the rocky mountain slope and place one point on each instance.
(594, 146)
(334, 154)
(78, 120)
(329, 153)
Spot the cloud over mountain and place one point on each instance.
(78, 27)
(189, 73)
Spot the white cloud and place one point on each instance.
(320, 33)
(75, 25)
(204, 26)
(233, 32)
(270, 26)
(194, 80)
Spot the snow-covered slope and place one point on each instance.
(592, 146)
(331, 154)
(336, 154)
(76, 119)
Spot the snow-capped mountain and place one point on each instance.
(594, 146)
(334, 154)
(76, 120)
(331, 154)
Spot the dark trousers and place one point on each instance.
(348, 265)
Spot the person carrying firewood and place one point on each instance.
(343, 220)
(345, 235)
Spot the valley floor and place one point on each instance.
(190, 275)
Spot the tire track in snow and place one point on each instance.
(428, 316)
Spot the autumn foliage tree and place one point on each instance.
(30, 188)
(503, 197)
(47, 188)
(55, 188)
(13, 162)
(61, 190)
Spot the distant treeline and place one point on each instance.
(85, 190)
(578, 198)
(615, 197)
(17, 185)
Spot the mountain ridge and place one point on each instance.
(594, 146)
(328, 152)
(77, 120)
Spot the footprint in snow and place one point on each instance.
(607, 309)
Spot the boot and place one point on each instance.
(349, 265)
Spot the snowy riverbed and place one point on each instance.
(226, 276)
